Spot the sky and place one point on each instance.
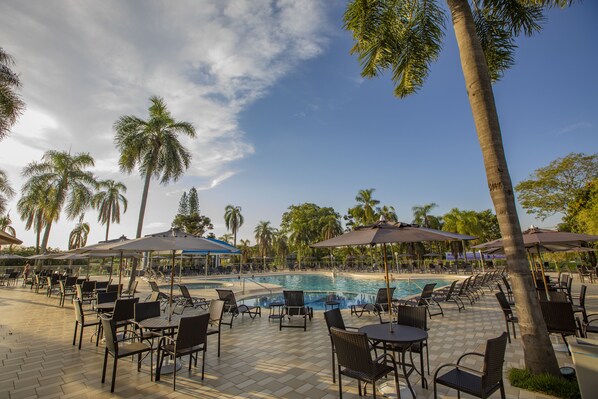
(281, 112)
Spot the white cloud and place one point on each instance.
(83, 64)
(575, 127)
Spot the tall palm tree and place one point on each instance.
(331, 226)
(264, 233)
(388, 212)
(6, 191)
(245, 247)
(226, 238)
(421, 214)
(11, 105)
(34, 212)
(366, 202)
(281, 246)
(107, 201)
(6, 225)
(153, 147)
(405, 37)
(233, 220)
(78, 236)
(64, 181)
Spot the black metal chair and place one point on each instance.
(119, 350)
(147, 310)
(124, 312)
(355, 361)
(216, 310)
(294, 305)
(426, 299)
(85, 291)
(64, 293)
(508, 313)
(581, 306)
(190, 339)
(233, 309)
(447, 295)
(81, 323)
(474, 382)
(559, 319)
(378, 307)
(187, 301)
(334, 318)
(415, 316)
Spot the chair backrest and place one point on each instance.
(114, 288)
(154, 296)
(216, 310)
(463, 287)
(79, 315)
(494, 358)
(134, 289)
(557, 296)
(62, 286)
(100, 285)
(192, 331)
(295, 302)
(88, 286)
(506, 283)
(382, 296)
(110, 337)
(427, 291)
(450, 291)
(185, 291)
(503, 302)
(334, 318)
(79, 291)
(146, 310)
(559, 317)
(582, 296)
(104, 297)
(124, 309)
(413, 316)
(352, 350)
(228, 296)
(154, 286)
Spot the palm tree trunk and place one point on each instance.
(108, 220)
(46, 236)
(148, 178)
(107, 228)
(538, 352)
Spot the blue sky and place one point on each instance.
(282, 113)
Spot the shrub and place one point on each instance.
(544, 383)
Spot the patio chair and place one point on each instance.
(101, 286)
(580, 307)
(130, 293)
(114, 288)
(583, 273)
(85, 291)
(64, 293)
(590, 325)
(124, 312)
(294, 305)
(426, 299)
(216, 310)
(334, 318)
(378, 307)
(147, 310)
(559, 319)
(190, 340)
(233, 309)
(508, 313)
(449, 295)
(187, 301)
(119, 350)
(474, 382)
(81, 323)
(105, 297)
(355, 361)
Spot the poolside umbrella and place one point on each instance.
(383, 232)
(7, 239)
(11, 256)
(542, 240)
(171, 240)
(99, 250)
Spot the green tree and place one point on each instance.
(108, 200)
(264, 234)
(389, 213)
(154, 148)
(364, 212)
(34, 212)
(11, 105)
(280, 244)
(421, 214)
(191, 221)
(582, 212)
(233, 220)
(406, 37)
(184, 204)
(193, 201)
(551, 189)
(6, 225)
(78, 236)
(245, 247)
(6, 191)
(228, 238)
(63, 180)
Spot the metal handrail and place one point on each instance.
(261, 285)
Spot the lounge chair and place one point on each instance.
(233, 309)
(426, 299)
(380, 306)
(294, 305)
(187, 301)
(449, 295)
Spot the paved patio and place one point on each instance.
(258, 361)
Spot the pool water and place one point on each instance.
(347, 290)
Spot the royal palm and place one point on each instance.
(108, 201)
(405, 37)
(233, 220)
(153, 147)
(11, 105)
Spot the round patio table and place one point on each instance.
(162, 323)
(403, 337)
(105, 307)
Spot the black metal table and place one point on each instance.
(403, 337)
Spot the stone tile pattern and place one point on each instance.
(37, 359)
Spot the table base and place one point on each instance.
(388, 390)
(169, 368)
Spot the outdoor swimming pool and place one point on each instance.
(320, 288)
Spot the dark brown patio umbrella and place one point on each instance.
(383, 232)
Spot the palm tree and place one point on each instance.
(368, 204)
(331, 226)
(264, 233)
(406, 36)
(233, 220)
(78, 236)
(33, 210)
(6, 191)
(421, 214)
(63, 180)
(226, 238)
(281, 246)
(11, 105)
(7, 227)
(245, 247)
(153, 146)
(108, 201)
(388, 212)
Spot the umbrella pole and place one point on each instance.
(388, 288)
(170, 309)
(542, 269)
(111, 266)
(181, 268)
(120, 272)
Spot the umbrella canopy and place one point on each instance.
(100, 247)
(7, 239)
(11, 256)
(226, 249)
(45, 255)
(535, 237)
(383, 232)
(433, 255)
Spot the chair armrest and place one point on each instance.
(468, 354)
(164, 339)
(458, 366)
(388, 357)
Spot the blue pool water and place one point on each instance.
(320, 288)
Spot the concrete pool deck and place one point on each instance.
(38, 360)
